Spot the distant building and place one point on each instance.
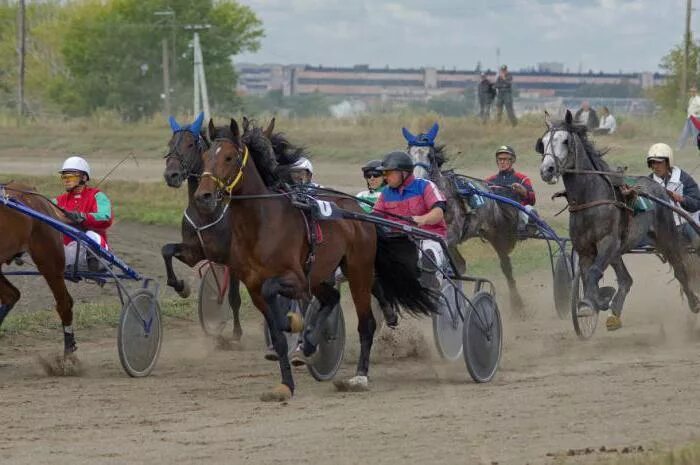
(399, 84)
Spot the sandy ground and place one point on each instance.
(553, 393)
(636, 387)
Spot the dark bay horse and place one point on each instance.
(601, 225)
(269, 251)
(20, 233)
(496, 222)
(184, 162)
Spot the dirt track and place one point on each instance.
(634, 387)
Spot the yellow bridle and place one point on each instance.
(221, 184)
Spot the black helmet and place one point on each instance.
(506, 149)
(372, 165)
(399, 161)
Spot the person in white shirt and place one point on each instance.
(694, 103)
(608, 124)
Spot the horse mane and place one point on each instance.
(259, 148)
(440, 155)
(595, 154)
(286, 152)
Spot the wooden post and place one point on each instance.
(686, 54)
(166, 79)
(21, 51)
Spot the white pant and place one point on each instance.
(524, 218)
(436, 248)
(71, 249)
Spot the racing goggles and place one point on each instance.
(373, 174)
(70, 177)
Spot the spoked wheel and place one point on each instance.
(483, 337)
(292, 338)
(214, 309)
(563, 276)
(447, 324)
(140, 333)
(583, 325)
(331, 347)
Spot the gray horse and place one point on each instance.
(493, 221)
(601, 224)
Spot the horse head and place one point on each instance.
(421, 148)
(224, 163)
(184, 151)
(555, 146)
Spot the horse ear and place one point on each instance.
(432, 134)
(270, 128)
(569, 118)
(246, 124)
(173, 124)
(235, 131)
(547, 119)
(197, 124)
(407, 135)
(212, 129)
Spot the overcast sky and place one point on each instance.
(607, 35)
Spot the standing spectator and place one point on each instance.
(694, 103)
(608, 124)
(487, 92)
(586, 116)
(692, 123)
(504, 86)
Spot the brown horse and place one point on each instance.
(268, 249)
(20, 233)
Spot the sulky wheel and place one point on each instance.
(214, 308)
(447, 324)
(483, 337)
(562, 277)
(140, 333)
(583, 325)
(329, 354)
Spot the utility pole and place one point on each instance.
(166, 79)
(21, 51)
(686, 52)
(201, 96)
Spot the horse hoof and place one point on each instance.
(271, 355)
(613, 323)
(296, 322)
(354, 384)
(62, 365)
(584, 310)
(185, 291)
(281, 393)
(298, 358)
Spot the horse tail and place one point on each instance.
(396, 267)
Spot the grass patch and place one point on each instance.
(685, 455)
(89, 315)
(142, 202)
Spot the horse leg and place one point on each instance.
(269, 303)
(624, 282)
(9, 295)
(52, 270)
(360, 282)
(187, 254)
(683, 275)
(608, 251)
(234, 300)
(328, 297)
(516, 302)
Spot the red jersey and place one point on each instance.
(94, 204)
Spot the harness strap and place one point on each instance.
(573, 208)
(228, 188)
(199, 229)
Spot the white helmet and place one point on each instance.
(659, 152)
(76, 164)
(303, 163)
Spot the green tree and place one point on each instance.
(668, 95)
(113, 52)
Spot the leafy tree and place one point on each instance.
(668, 95)
(113, 52)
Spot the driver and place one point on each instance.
(302, 171)
(418, 199)
(680, 187)
(375, 184)
(86, 207)
(514, 185)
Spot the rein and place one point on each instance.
(4, 187)
(200, 144)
